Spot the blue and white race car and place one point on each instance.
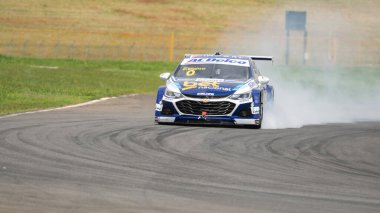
(214, 89)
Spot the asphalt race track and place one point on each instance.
(110, 157)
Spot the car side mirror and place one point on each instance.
(263, 79)
(165, 76)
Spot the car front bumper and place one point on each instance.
(167, 111)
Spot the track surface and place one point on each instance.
(110, 157)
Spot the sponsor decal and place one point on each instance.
(250, 84)
(227, 61)
(205, 94)
(192, 85)
(190, 71)
(159, 107)
(203, 85)
(193, 68)
(255, 110)
(209, 80)
(225, 89)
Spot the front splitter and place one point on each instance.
(221, 120)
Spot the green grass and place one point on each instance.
(31, 84)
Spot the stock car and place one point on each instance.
(214, 89)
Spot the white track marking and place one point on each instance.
(44, 67)
(66, 107)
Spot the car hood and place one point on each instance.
(208, 87)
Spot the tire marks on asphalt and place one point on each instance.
(95, 159)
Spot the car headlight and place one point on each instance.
(241, 96)
(171, 94)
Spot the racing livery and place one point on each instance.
(214, 89)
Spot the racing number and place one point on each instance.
(189, 85)
(190, 72)
(192, 85)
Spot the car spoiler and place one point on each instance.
(255, 58)
(261, 58)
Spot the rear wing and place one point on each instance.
(261, 58)
(255, 58)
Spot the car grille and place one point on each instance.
(212, 108)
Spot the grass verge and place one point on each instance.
(31, 84)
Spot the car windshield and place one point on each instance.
(217, 71)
